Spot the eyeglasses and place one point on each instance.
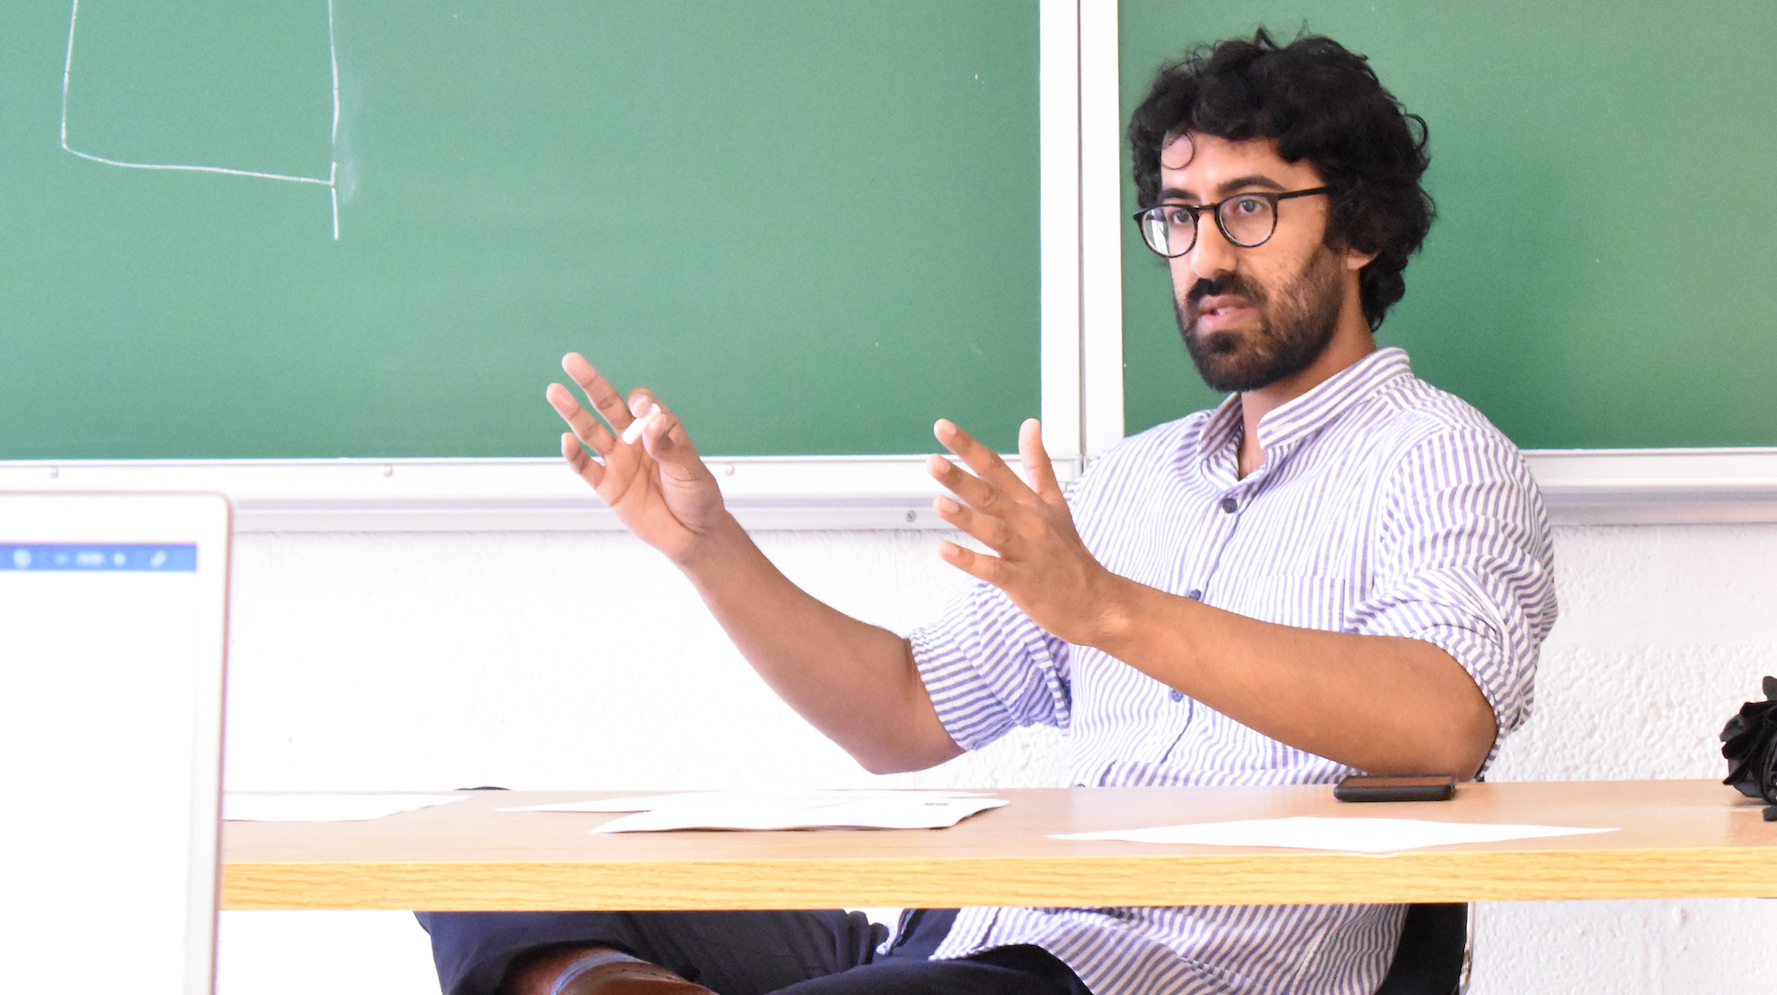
(1247, 220)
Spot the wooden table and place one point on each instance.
(1676, 839)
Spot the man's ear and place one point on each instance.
(1355, 260)
(1341, 242)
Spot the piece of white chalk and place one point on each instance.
(635, 429)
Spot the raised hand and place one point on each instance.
(643, 465)
(1041, 563)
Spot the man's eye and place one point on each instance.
(1249, 205)
(1179, 216)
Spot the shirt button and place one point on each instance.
(1229, 504)
(1195, 594)
(1178, 695)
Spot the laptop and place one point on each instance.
(113, 613)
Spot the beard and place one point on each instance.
(1293, 330)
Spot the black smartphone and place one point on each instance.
(1363, 788)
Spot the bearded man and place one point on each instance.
(1339, 569)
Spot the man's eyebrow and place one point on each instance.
(1240, 183)
(1227, 189)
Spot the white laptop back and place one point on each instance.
(113, 615)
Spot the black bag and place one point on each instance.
(1749, 742)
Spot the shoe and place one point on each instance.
(631, 978)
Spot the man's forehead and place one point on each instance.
(1185, 148)
(1190, 154)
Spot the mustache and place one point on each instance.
(1229, 283)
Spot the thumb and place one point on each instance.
(664, 438)
(1037, 467)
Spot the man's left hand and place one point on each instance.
(1041, 564)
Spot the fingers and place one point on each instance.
(976, 565)
(982, 459)
(582, 464)
(604, 397)
(995, 506)
(586, 428)
(641, 417)
(658, 430)
(1033, 552)
(973, 491)
(1037, 468)
(645, 417)
(992, 530)
(992, 482)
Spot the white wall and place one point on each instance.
(1664, 631)
(529, 660)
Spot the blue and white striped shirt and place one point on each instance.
(1384, 507)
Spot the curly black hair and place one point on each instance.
(1322, 103)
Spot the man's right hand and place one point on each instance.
(657, 485)
(857, 683)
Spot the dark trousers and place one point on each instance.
(745, 953)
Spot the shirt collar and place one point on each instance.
(1300, 417)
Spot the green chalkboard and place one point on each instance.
(812, 226)
(1603, 272)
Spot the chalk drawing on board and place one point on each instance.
(331, 182)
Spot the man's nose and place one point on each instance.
(1213, 255)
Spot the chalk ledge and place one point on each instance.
(1581, 487)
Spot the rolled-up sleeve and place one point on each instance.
(989, 668)
(1465, 563)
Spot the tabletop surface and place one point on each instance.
(1672, 839)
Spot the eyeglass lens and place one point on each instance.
(1247, 221)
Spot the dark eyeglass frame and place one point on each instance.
(1196, 213)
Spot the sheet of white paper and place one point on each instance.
(784, 799)
(324, 808)
(774, 810)
(860, 814)
(1312, 833)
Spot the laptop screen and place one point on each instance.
(112, 615)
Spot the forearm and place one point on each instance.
(1382, 704)
(855, 682)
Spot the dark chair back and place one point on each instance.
(1432, 958)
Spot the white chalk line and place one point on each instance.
(333, 60)
(331, 183)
